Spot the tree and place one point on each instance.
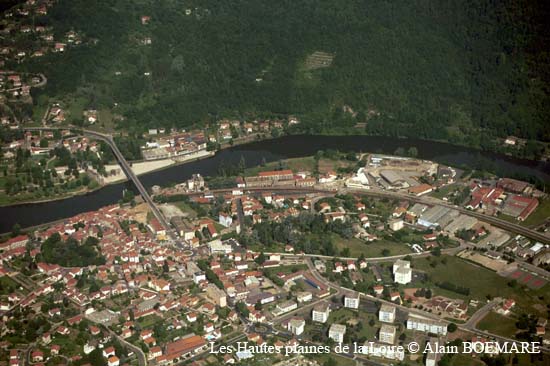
(260, 259)
(16, 230)
(399, 151)
(451, 328)
(412, 152)
(436, 251)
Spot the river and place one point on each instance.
(270, 150)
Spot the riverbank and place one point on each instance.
(261, 152)
(139, 168)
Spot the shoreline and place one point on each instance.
(114, 182)
(175, 163)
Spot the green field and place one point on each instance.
(295, 164)
(465, 360)
(541, 214)
(444, 191)
(7, 285)
(341, 316)
(481, 282)
(340, 361)
(184, 207)
(370, 250)
(149, 321)
(498, 324)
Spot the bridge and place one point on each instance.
(127, 170)
(506, 225)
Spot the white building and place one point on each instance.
(402, 271)
(287, 306)
(217, 246)
(296, 326)
(387, 313)
(336, 332)
(396, 224)
(387, 334)
(432, 357)
(225, 219)
(320, 312)
(383, 351)
(351, 301)
(217, 295)
(198, 277)
(423, 324)
(304, 296)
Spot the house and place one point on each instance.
(217, 295)
(511, 140)
(304, 296)
(256, 317)
(154, 352)
(402, 272)
(37, 356)
(351, 301)
(225, 219)
(54, 349)
(506, 306)
(320, 312)
(160, 285)
(387, 313)
(296, 325)
(396, 224)
(420, 190)
(108, 352)
(338, 267)
(287, 306)
(113, 361)
(336, 332)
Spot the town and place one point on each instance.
(333, 249)
(320, 197)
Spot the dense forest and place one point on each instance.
(463, 71)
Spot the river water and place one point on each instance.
(270, 150)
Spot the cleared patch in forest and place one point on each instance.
(318, 60)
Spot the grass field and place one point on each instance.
(149, 321)
(481, 282)
(7, 285)
(183, 206)
(370, 250)
(465, 360)
(340, 361)
(342, 316)
(444, 191)
(295, 164)
(498, 324)
(540, 215)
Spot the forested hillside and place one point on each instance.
(466, 71)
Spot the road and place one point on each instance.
(448, 251)
(506, 225)
(495, 221)
(509, 226)
(480, 314)
(468, 326)
(129, 173)
(142, 360)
